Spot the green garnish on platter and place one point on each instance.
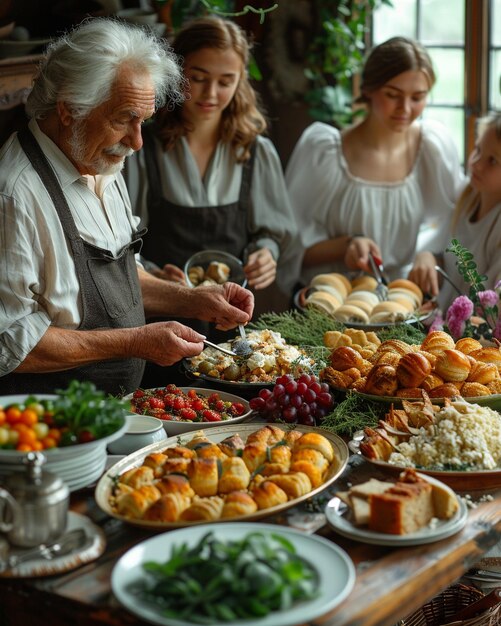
(354, 413)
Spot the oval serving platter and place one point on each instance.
(105, 485)
(474, 480)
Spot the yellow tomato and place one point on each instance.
(41, 429)
(4, 436)
(37, 407)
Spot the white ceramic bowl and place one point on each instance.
(205, 257)
(78, 466)
(141, 431)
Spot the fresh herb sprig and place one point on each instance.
(467, 268)
(215, 581)
(354, 413)
(301, 328)
(82, 408)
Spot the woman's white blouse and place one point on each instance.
(329, 201)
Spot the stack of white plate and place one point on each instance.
(78, 465)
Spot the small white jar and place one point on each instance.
(142, 430)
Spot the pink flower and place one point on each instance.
(461, 309)
(488, 298)
(456, 326)
(437, 324)
(496, 333)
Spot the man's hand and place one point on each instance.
(261, 268)
(357, 253)
(166, 343)
(226, 305)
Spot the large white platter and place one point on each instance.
(176, 428)
(335, 568)
(336, 514)
(105, 485)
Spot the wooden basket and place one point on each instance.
(442, 608)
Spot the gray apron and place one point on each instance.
(176, 232)
(110, 295)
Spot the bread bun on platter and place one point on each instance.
(405, 297)
(431, 381)
(412, 369)
(472, 390)
(382, 381)
(361, 304)
(403, 283)
(366, 296)
(329, 289)
(324, 301)
(344, 280)
(331, 280)
(468, 345)
(438, 341)
(453, 366)
(488, 355)
(447, 390)
(367, 283)
(344, 357)
(349, 313)
(482, 373)
(388, 312)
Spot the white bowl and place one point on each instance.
(205, 257)
(89, 459)
(141, 431)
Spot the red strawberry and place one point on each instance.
(171, 389)
(236, 409)
(211, 416)
(219, 406)
(157, 403)
(178, 403)
(198, 404)
(139, 393)
(192, 394)
(188, 414)
(213, 398)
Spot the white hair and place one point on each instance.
(80, 67)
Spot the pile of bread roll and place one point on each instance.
(356, 301)
(442, 367)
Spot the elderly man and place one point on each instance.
(72, 299)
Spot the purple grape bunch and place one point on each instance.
(304, 401)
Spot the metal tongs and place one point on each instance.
(378, 271)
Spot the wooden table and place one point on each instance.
(391, 583)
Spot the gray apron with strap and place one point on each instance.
(176, 232)
(109, 290)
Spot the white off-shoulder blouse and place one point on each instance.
(329, 201)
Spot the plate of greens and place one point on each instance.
(253, 574)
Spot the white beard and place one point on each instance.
(101, 165)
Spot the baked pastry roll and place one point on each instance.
(219, 272)
(438, 341)
(431, 381)
(135, 504)
(312, 463)
(482, 373)
(359, 385)
(344, 358)
(179, 452)
(234, 475)
(382, 380)
(336, 378)
(267, 434)
(204, 476)
(198, 438)
(488, 355)
(177, 466)
(268, 494)
(203, 509)
(238, 503)
(453, 366)
(351, 313)
(278, 459)
(295, 484)
(412, 369)
(291, 436)
(495, 386)
(232, 446)
(209, 451)
(471, 390)
(467, 345)
(376, 446)
(156, 461)
(315, 441)
(167, 508)
(447, 390)
(394, 345)
(385, 358)
(175, 483)
(137, 476)
(432, 358)
(254, 455)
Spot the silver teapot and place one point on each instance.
(33, 505)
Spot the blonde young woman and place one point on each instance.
(206, 177)
(476, 222)
(369, 188)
